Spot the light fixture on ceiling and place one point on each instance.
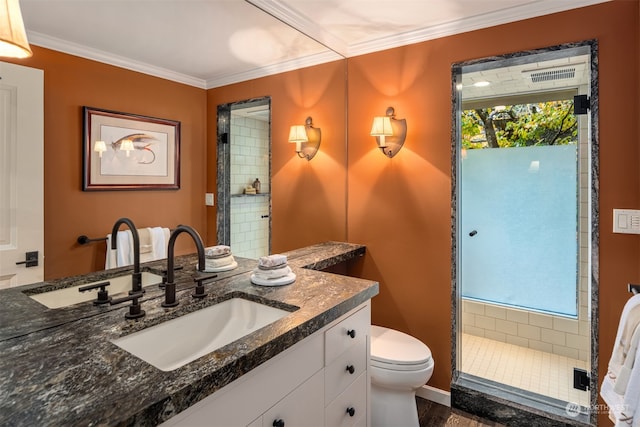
(307, 139)
(390, 132)
(13, 38)
(127, 145)
(100, 147)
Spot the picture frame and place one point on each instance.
(123, 151)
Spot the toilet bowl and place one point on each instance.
(400, 364)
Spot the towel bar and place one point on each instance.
(83, 240)
(634, 289)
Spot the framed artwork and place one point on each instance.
(130, 152)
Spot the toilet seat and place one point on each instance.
(395, 350)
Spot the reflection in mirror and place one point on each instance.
(524, 191)
(244, 178)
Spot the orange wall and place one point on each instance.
(307, 197)
(70, 83)
(400, 208)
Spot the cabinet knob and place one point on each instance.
(351, 369)
(278, 423)
(351, 411)
(351, 333)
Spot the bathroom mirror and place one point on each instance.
(61, 242)
(525, 235)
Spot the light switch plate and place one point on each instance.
(208, 199)
(626, 221)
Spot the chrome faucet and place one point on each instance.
(136, 277)
(170, 286)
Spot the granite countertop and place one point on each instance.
(69, 373)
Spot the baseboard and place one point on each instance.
(435, 395)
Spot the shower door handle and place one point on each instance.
(473, 233)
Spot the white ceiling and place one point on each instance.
(211, 43)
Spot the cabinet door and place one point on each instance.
(302, 407)
(350, 407)
(352, 330)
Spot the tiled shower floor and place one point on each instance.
(532, 370)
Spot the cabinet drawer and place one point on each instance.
(352, 330)
(302, 407)
(352, 401)
(345, 369)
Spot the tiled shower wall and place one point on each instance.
(249, 213)
(552, 334)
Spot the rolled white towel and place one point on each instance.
(217, 251)
(271, 262)
(211, 263)
(271, 274)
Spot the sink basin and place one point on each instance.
(69, 296)
(175, 343)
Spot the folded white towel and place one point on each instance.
(218, 251)
(271, 274)
(272, 261)
(123, 255)
(211, 263)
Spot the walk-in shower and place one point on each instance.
(523, 235)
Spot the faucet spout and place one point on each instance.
(136, 277)
(170, 286)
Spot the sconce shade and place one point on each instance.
(100, 147)
(298, 133)
(381, 126)
(13, 38)
(389, 132)
(127, 145)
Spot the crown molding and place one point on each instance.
(75, 49)
(505, 16)
(281, 67)
(296, 20)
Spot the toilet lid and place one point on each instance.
(395, 347)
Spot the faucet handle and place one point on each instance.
(103, 294)
(199, 292)
(135, 310)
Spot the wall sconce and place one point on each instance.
(127, 145)
(13, 38)
(390, 132)
(100, 147)
(307, 139)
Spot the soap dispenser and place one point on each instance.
(256, 185)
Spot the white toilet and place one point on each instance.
(400, 364)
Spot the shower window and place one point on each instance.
(519, 166)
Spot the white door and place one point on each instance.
(21, 174)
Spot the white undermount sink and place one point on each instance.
(175, 343)
(70, 296)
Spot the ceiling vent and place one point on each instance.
(552, 75)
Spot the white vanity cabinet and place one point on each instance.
(321, 381)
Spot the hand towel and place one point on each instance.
(124, 250)
(123, 255)
(272, 273)
(159, 241)
(146, 246)
(211, 263)
(624, 375)
(272, 261)
(219, 251)
(629, 316)
(110, 260)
